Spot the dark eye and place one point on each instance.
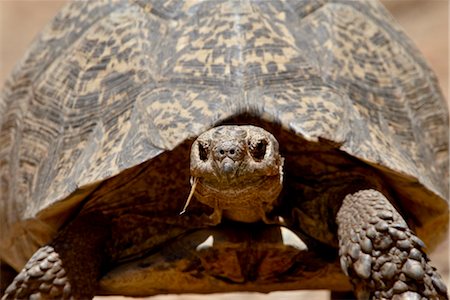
(258, 149)
(203, 151)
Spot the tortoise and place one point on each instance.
(319, 159)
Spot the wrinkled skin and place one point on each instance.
(378, 252)
(237, 171)
(385, 260)
(97, 120)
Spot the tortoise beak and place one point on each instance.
(228, 167)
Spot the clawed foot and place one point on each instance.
(276, 220)
(215, 218)
(381, 255)
(43, 277)
(68, 267)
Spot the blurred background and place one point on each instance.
(425, 21)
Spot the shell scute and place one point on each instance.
(108, 86)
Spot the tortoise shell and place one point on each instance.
(110, 86)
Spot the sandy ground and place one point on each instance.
(426, 21)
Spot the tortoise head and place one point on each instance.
(237, 170)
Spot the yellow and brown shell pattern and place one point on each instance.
(111, 84)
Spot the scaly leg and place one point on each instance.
(67, 268)
(381, 255)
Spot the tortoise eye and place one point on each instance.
(203, 151)
(258, 150)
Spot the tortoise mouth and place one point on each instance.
(242, 200)
(234, 185)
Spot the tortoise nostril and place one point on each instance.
(227, 151)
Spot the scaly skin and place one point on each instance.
(381, 255)
(67, 268)
(237, 171)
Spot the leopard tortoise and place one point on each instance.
(319, 152)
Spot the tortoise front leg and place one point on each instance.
(381, 255)
(68, 267)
